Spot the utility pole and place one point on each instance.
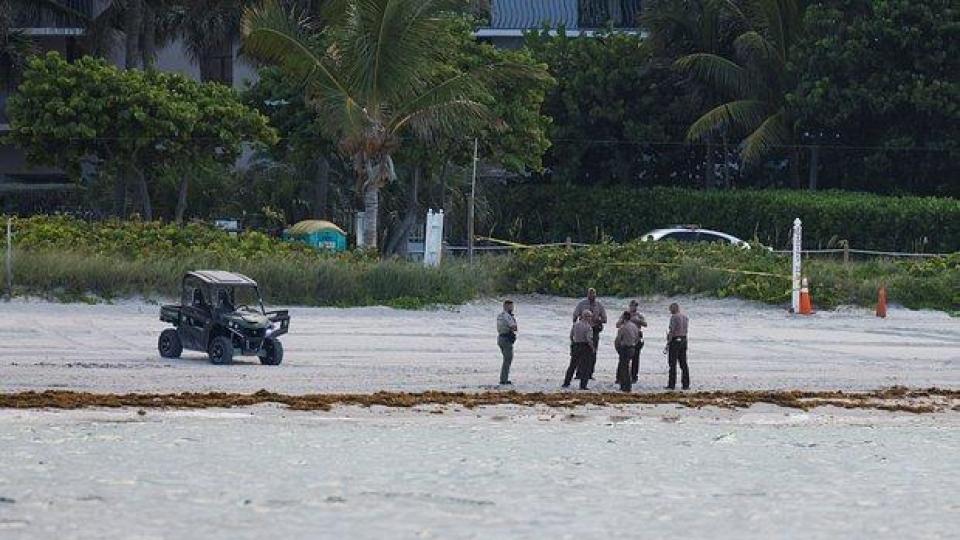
(473, 200)
(9, 259)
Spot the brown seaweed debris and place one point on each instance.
(888, 399)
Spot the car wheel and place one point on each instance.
(272, 352)
(169, 344)
(221, 350)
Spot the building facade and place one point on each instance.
(510, 19)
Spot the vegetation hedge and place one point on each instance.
(670, 268)
(71, 259)
(551, 213)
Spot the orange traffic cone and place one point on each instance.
(882, 302)
(806, 306)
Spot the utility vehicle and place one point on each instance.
(221, 313)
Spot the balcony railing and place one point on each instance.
(572, 14)
(45, 16)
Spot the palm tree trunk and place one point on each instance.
(397, 245)
(371, 211)
(149, 36)
(132, 25)
(182, 199)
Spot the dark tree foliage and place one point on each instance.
(879, 88)
(616, 116)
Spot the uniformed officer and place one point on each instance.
(506, 336)
(599, 316)
(641, 322)
(628, 334)
(582, 354)
(677, 347)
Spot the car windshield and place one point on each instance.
(245, 296)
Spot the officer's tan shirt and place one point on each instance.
(599, 313)
(582, 332)
(627, 336)
(506, 323)
(679, 324)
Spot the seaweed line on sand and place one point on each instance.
(897, 398)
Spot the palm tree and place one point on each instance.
(755, 82)
(375, 76)
(677, 28)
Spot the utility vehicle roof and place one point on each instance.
(220, 277)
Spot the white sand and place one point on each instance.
(733, 345)
(500, 472)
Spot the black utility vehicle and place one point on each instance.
(221, 313)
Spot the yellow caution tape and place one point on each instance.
(729, 270)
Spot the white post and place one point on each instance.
(359, 223)
(473, 200)
(433, 238)
(797, 243)
(9, 258)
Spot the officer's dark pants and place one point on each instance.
(678, 355)
(505, 342)
(581, 357)
(635, 363)
(596, 347)
(623, 367)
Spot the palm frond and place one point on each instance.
(752, 47)
(463, 88)
(719, 72)
(281, 37)
(772, 133)
(443, 118)
(742, 116)
(389, 46)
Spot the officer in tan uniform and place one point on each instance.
(506, 336)
(641, 322)
(677, 348)
(599, 317)
(628, 334)
(582, 354)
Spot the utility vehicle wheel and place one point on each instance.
(221, 350)
(169, 344)
(272, 352)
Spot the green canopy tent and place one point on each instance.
(319, 234)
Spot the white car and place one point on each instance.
(691, 233)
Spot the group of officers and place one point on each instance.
(588, 319)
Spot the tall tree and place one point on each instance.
(879, 85)
(754, 83)
(676, 28)
(615, 116)
(374, 78)
(128, 124)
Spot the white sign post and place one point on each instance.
(797, 243)
(433, 238)
(9, 259)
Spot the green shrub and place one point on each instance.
(670, 268)
(72, 276)
(551, 213)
